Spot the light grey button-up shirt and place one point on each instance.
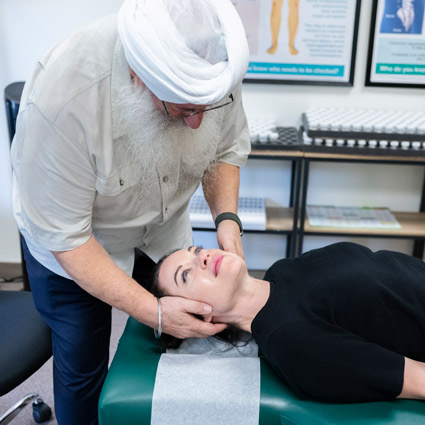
(70, 179)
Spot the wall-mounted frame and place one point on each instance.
(301, 41)
(397, 44)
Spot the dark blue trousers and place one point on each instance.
(81, 328)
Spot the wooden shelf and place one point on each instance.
(279, 218)
(288, 154)
(412, 225)
(333, 156)
(372, 158)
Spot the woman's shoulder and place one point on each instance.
(329, 251)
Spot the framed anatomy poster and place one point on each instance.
(397, 44)
(300, 41)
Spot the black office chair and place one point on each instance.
(25, 337)
(25, 347)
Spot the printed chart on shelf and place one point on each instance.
(251, 211)
(352, 217)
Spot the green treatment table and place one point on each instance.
(127, 393)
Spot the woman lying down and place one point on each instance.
(338, 324)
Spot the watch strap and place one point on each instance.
(229, 216)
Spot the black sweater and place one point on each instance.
(340, 320)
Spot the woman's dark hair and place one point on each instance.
(232, 334)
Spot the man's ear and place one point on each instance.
(138, 81)
(133, 74)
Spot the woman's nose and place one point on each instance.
(203, 258)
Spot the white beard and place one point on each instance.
(156, 145)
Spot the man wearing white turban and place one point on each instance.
(117, 126)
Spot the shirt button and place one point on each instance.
(121, 182)
(165, 179)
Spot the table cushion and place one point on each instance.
(127, 393)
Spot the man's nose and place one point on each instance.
(194, 121)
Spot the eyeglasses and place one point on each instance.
(195, 112)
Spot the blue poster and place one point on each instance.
(403, 17)
(300, 40)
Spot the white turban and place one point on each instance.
(158, 52)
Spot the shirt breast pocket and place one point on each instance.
(119, 199)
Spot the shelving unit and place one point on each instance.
(412, 223)
(292, 220)
(281, 220)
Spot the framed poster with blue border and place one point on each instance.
(300, 41)
(396, 55)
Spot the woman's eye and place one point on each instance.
(184, 275)
(198, 250)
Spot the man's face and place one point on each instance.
(207, 275)
(191, 114)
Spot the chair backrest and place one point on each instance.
(12, 98)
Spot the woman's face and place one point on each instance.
(208, 275)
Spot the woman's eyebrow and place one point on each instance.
(179, 267)
(176, 273)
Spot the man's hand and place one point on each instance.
(229, 237)
(178, 319)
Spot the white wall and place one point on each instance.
(29, 28)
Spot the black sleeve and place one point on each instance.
(323, 361)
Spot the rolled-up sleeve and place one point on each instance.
(235, 144)
(55, 180)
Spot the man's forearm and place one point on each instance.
(221, 188)
(92, 268)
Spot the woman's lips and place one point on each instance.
(217, 264)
